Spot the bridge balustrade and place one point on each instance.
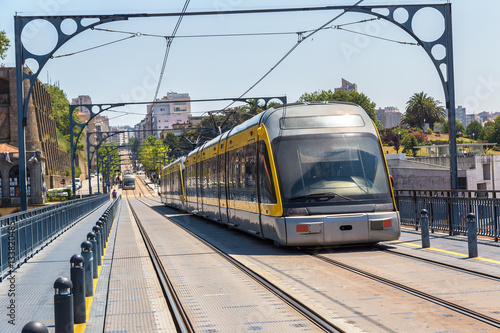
(448, 210)
(24, 234)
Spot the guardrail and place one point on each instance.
(24, 234)
(448, 210)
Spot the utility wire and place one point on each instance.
(377, 37)
(141, 34)
(92, 48)
(301, 38)
(167, 50)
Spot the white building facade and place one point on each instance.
(174, 108)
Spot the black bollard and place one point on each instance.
(63, 306)
(424, 224)
(35, 327)
(88, 266)
(98, 238)
(77, 274)
(105, 229)
(100, 224)
(91, 237)
(472, 235)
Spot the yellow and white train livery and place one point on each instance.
(304, 174)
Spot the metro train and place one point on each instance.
(303, 174)
(128, 182)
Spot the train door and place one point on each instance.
(223, 177)
(199, 179)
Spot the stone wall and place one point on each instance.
(41, 134)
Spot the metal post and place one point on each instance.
(424, 224)
(63, 306)
(472, 235)
(22, 107)
(91, 237)
(100, 224)
(35, 327)
(88, 266)
(77, 274)
(90, 164)
(98, 237)
(450, 85)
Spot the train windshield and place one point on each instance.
(128, 181)
(337, 168)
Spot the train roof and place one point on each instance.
(260, 118)
(177, 161)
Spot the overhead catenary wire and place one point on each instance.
(167, 50)
(94, 47)
(249, 34)
(299, 41)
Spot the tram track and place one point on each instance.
(299, 307)
(179, 315)
(428, 297)
(463, 310)
(412, 291)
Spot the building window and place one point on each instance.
(14, 182)
(462, 183)
(486, 172)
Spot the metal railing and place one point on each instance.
(448, 210)
(24, 234)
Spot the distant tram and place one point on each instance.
(304, 174)
(129, 182)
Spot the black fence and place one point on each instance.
(448, 210)
(23, 234)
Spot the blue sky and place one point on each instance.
(388, 73)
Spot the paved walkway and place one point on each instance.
(32, 283)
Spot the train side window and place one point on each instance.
(222, 176)
(232, 174)
(266, 183)
(250, 183)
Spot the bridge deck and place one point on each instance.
(32, 283)
(128, 296)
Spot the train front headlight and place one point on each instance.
(296, 211)
(384, 207)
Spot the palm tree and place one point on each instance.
(422, 109)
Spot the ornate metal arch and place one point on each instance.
(93, 149)
(22, 54)
(445, 40)
(101, 159)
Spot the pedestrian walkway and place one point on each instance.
(447, 249)
(30, 287)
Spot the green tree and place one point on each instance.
(409, 143)
(109, 158)
(153, 154)
(344, 96)
(459, 127)
(475, 130)
(492, 131)
(422, 109)
(60, 110)
(4, 44)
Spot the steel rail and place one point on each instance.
(440, 264)
(436, 300)
(180, 316)
(301, 308)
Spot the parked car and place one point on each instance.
(78, 183)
